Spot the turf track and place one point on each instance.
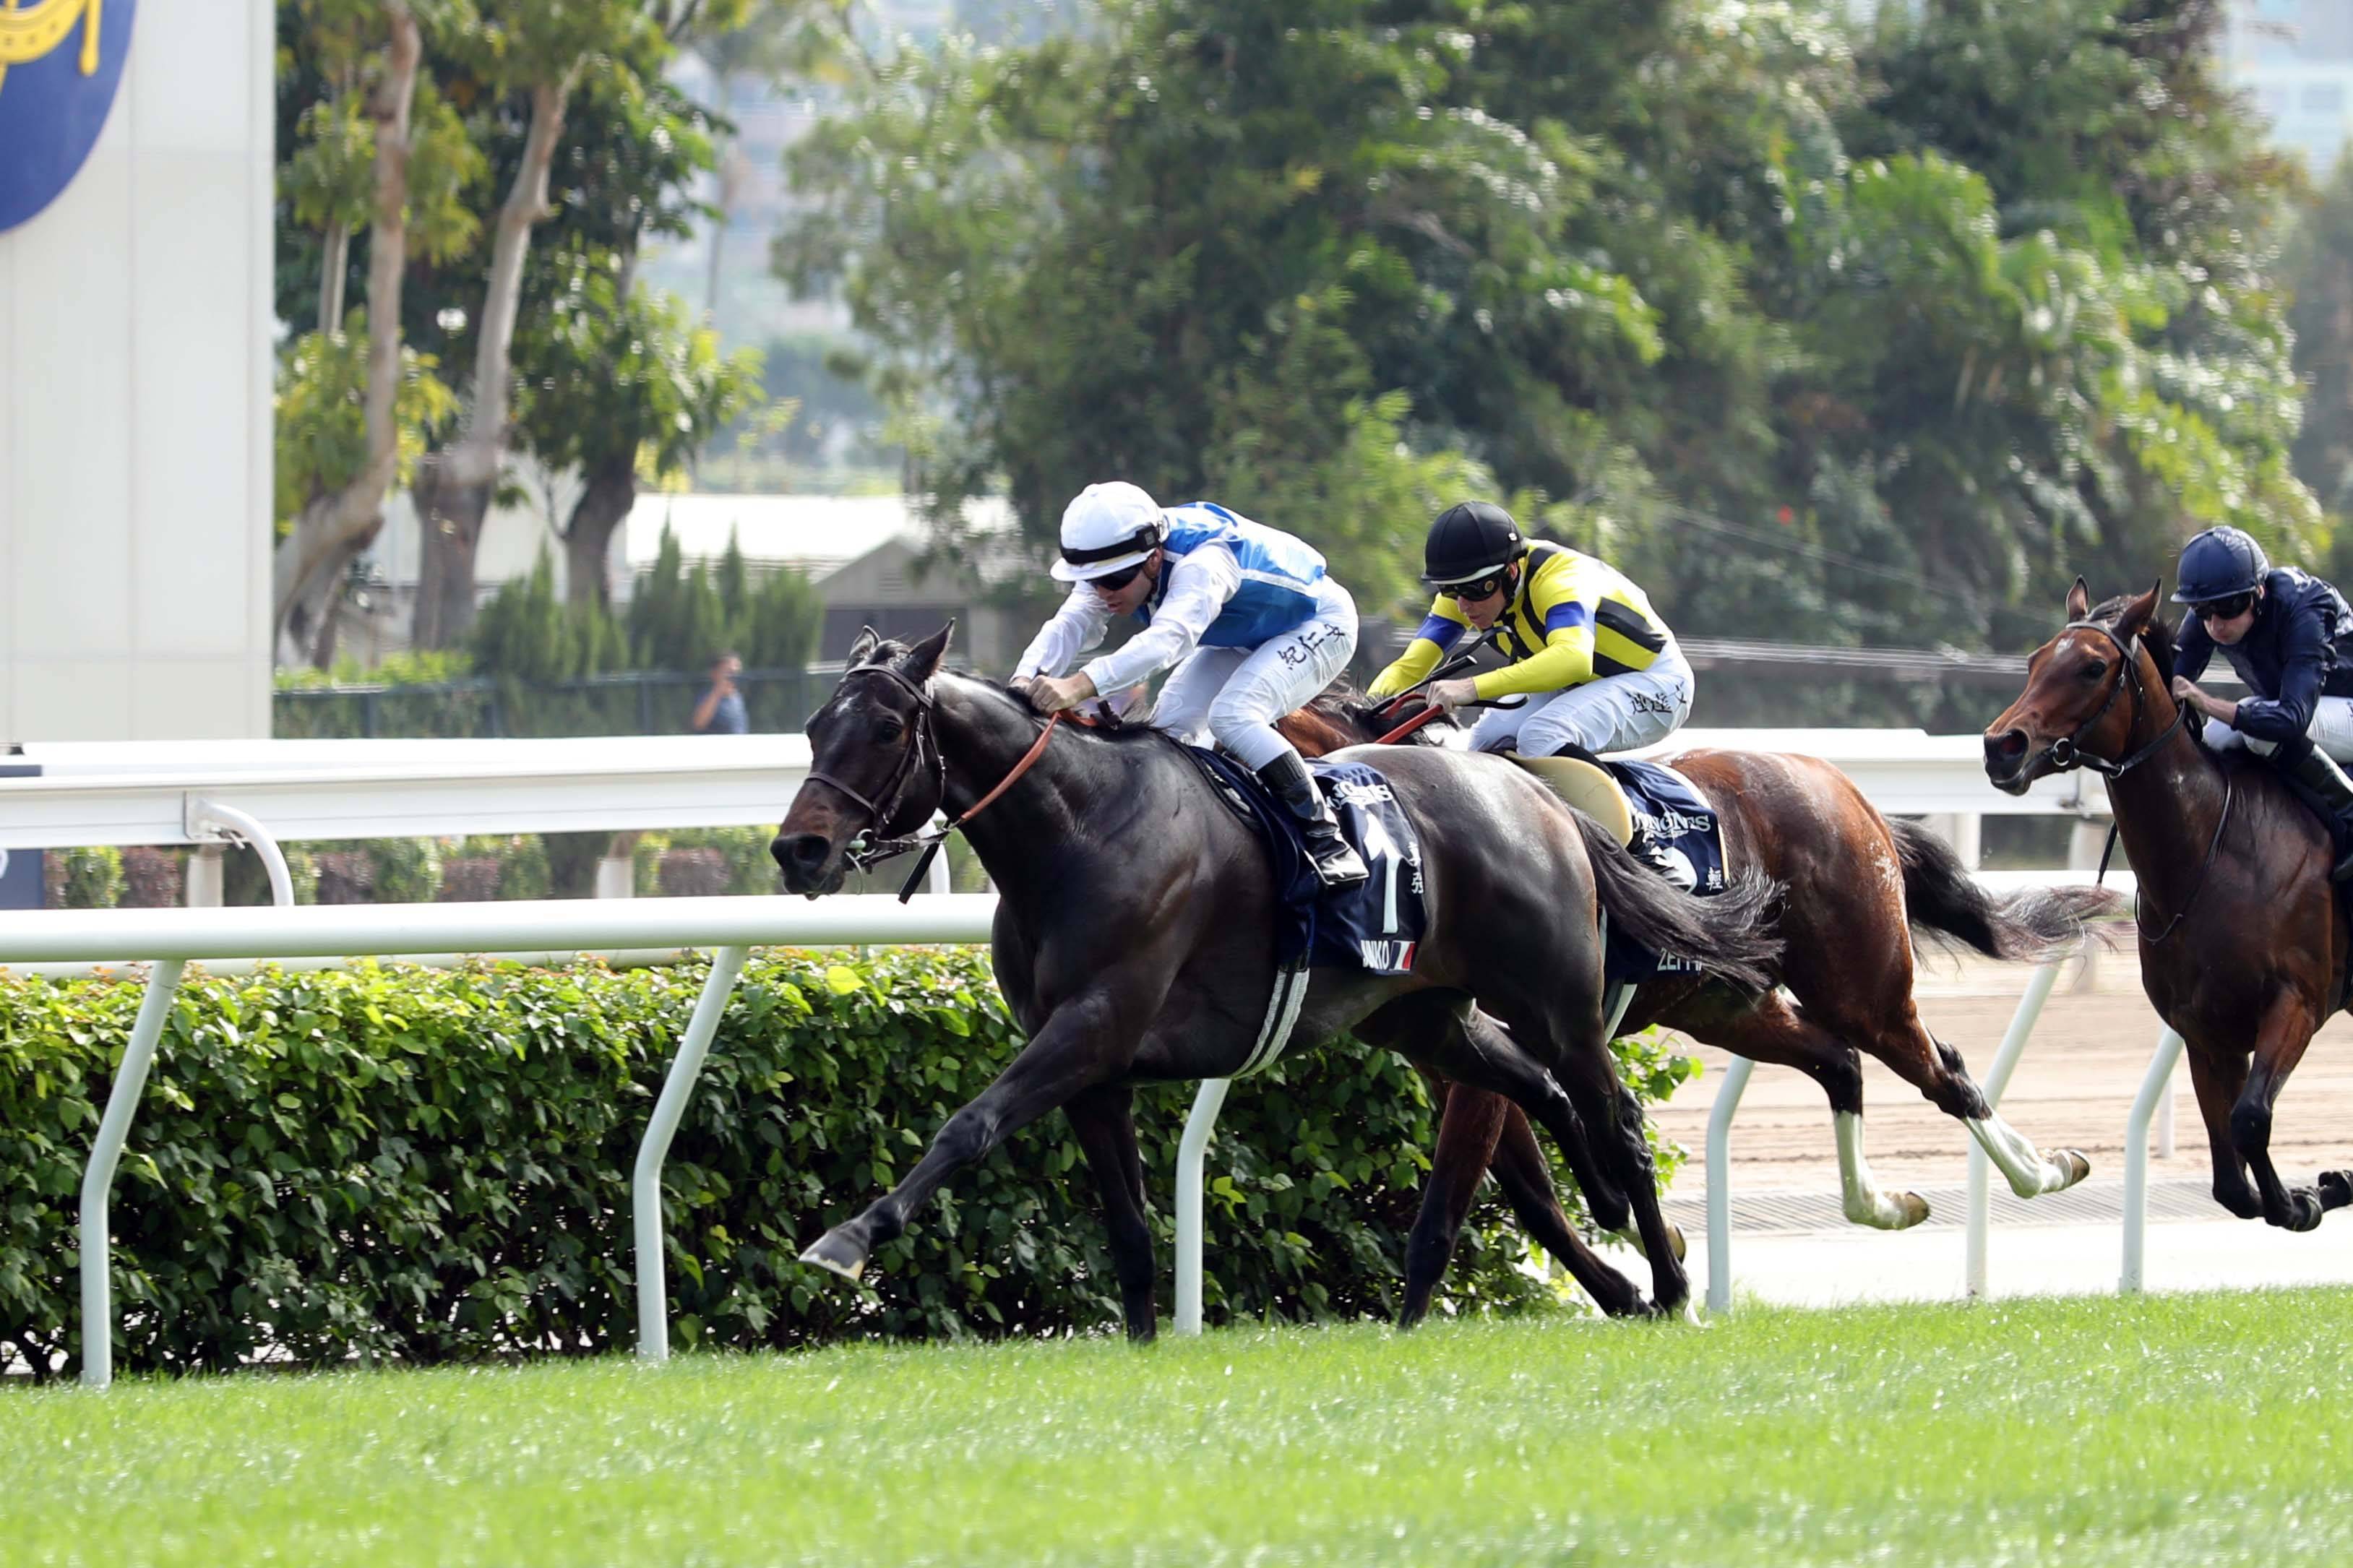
(2182, 1429)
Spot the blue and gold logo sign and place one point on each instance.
(60, 61)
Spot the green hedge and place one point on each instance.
(382, 1163)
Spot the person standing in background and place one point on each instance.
(721, 712)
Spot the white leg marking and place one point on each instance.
(2028, 1172)
(1866, 1202)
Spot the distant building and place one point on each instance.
(2295, 58)
(867, 556)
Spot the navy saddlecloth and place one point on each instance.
(1670, 816)
(1374, 926)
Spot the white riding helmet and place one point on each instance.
(1109, 526)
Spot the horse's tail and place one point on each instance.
(1729, 936)
(1942, 897)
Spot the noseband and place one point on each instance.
(2067, 751)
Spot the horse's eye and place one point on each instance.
(889, 730)
(2096, 669)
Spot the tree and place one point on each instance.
(622, 389)
(377, 47)
(534, 56)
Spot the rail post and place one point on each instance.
(2157, 1080)
(98, 1178)
(1719, 1184)
(1190, 1154)
(645, 1187)
(2005, 1062)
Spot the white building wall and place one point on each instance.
(136, 325)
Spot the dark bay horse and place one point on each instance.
(1133, 939)
(2243, 941)
(1854, 887)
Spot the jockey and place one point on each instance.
(1247, 616)
(1601, 668)
(2290, 638)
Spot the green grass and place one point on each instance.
(2174, 1429)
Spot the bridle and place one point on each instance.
(2067, 752)
(883, 809)
(886, 805)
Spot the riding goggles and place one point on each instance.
(1479, 588)
(2229, 609)
(1112, 581)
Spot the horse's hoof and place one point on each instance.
(2303, 1209)
(2335, 1189)
(1675, 1242)
(836, 1255)
(2074, 1166)
(1915, 1209)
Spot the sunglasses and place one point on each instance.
(1484, 588)
(1112, 581)
(2229, 609)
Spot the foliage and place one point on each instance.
(403, 667)
(320, 409)
(387, 1163)
(1842, 334)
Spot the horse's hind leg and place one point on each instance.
(2280, 1043)
(1478, 1131)
(1104, 1121)
(1773, 1031)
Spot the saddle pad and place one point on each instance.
(1375, 926)
(1676, 829)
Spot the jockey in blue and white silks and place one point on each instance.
(1246, 614)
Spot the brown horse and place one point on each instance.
(2243, 941)
(1856, 886)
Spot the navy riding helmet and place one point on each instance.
(2218, 563)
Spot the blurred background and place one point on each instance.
(448, 368)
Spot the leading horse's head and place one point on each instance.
(874, 762)
(2085, 690)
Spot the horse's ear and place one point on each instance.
(2079, 600)
(2136, 613)
(922, 662)
(869, 639)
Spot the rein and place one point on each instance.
(882, 849)
(2230, 794)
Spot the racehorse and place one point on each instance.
(2242, 940)
(1854, 886)
(1133, 937)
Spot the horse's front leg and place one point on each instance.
(2216, 1077)
(1080, 1047)
(2280, 1043)
(1104, 1121)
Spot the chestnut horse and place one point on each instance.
(1855, 886)
(2242, 940)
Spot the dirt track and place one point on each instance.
(2074, 1088)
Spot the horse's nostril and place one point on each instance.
(799, 851)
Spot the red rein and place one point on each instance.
(1409, 726)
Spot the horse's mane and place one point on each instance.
(1344, 706)
(891, 652)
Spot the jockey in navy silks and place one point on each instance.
(1246, 616)
(2289, 636)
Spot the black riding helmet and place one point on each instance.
(2219, 563)
(1471, 542)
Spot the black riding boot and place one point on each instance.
(1337, 865)
(2317, 771)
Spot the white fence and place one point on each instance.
(260, 792)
